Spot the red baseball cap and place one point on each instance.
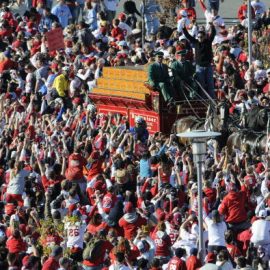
(122, 16)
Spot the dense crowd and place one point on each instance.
(85, 190)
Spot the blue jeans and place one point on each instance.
(213, 4)
(151, 25)
(206, 79)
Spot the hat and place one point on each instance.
(194, 251)
(181, 52)
(262, 213)
(122, 43)
(258, 63)
(139, 120)
(129, 208)
(65, 68)
(183, 13)
(122, 16)
(56, 251)
(161, 215)
(268, 71)
(159, 53)
(54, 66)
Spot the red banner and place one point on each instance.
(55, 39)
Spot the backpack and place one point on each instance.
(92, 250)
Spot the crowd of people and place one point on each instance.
(85, 190)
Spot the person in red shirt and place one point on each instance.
(117, 32)
(192, 261)
(242, 13)
(163, 242)
(176, 263)
(52, 263)
(131, 221)
(233, 207)
(76, 162)
(6, 63)
(15, 243)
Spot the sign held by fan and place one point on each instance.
(55, 39)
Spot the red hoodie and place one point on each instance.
(233, 207)
(193, 263)
(75, 167)
(130, 222)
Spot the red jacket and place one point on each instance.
(176, 264)
(50, 264)
(193, 263)
(130, 225)
(233, 207)
(16, 245)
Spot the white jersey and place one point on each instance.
(75, 233)
(126, 29)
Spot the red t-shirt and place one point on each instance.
(16, 245)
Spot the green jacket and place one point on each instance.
(157, 75)
(182, 70)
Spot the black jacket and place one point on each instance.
(203, 50)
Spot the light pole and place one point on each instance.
(198, 139)
(249, 32)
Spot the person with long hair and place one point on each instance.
(216, 232)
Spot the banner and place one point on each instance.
(55, 39)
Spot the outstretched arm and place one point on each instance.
(188, 36)
(203, 7)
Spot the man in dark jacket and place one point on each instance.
(203, 58)
(85, 35)
(182, 71)
(158, 78)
